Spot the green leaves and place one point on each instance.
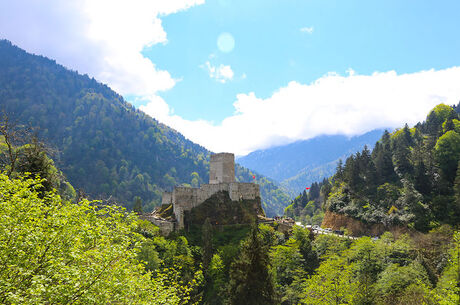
(55, 252)
(332, 284)
(250, 280)
(447, 154)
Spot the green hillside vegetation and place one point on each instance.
(60, 252)
(411, 178)
(18, 159)
(307, 207)
(105, 147)
(396, 269)
(57, 252)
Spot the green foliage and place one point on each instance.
(390, 270)
(408, 180)
(250, 280)
(332, 284)
(307, 207)
(395, 279)
(440, 113)
(207, 245)
(31, 159)
(327, 246)
(169, 288)
(58, 252)
(288, 262)
(447, 154)
(367, 263)
(448, 289)
(216, 287)
(137, 205)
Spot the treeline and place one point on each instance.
(104, 146)
(410, 178)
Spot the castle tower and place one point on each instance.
(222, 168)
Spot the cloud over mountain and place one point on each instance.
(333, 104)
(103, 38)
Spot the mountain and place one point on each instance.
(301, 163)
(105, 147)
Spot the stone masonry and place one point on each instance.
(221, 178)
(222, 168)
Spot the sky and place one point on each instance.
(238, 76)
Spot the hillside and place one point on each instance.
(299, 164)
(105, 147)
(411, 178)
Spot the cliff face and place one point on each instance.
(355, 227)
(221, 210)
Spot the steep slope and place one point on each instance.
(411, 179)
(105, 146)
(299, 164)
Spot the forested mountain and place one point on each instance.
(411, 178)
(299, 164)
(105, 147)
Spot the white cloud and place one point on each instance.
(103, 38)
(334, 104)
(308, 30)
(221, 73)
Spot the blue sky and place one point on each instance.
(271, 50)
(298, 69)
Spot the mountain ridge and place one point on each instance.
(303, 162)
(106, 146)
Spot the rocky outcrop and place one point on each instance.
(221, 210)
(354, 227)
(166, 225)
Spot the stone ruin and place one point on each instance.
(221, 178)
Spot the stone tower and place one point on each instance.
(222, 168)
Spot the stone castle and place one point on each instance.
(221, 178)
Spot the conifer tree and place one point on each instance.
(368, 172)
(137, 205)
(383, 160)
(207, 245)
(339, 171)
(250, 280)
(457, 195)
(422, 181)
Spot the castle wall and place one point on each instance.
(166, 198)
(207, 190)
(221, 178)
(222, 168)
(245, 191)
(185, 198)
